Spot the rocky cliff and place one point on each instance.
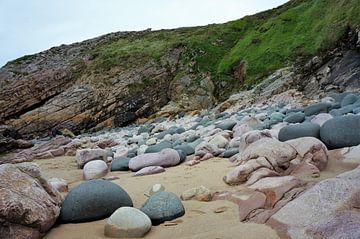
(114, 79)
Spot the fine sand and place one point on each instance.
(200, 219)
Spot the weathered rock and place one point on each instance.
(311, 150)
(241, 129)
(327, 209)
(275, 187)
(95, 169)
(220, 141)
(120, 164)
(299, 130)
(251, 137)
(264, 153)
(207, 148)
(226, 125)
(59, 184)
(347, 155)
(29, 206)
(163, 206)
(93, 200)
(200, 194)
(127, 222)
(166, 158)
(341, 132)
(149, 170)
(84, 156)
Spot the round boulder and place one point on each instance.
(295, 117)
(298, 131)
(120, 164)
(93, 200)
(95, 169)
(127, 222)
(341, 132)
(163, 206)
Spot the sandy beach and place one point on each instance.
(200, 220)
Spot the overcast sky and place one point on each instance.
(30, 26)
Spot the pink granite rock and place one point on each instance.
(149, 170)
(165, 158)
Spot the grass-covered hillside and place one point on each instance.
(266, 41)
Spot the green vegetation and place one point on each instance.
(266, 41)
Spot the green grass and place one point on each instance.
(266, 41)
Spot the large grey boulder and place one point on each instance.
(299, 130)
(93, 200)
(341, 132)
(163, 206)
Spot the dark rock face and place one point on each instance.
(298, 131)
(163, 206)
(51, 90)
(341, 132)
(93, 200)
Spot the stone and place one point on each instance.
(182, 155)
(204, 148)
(299, 130)
(165, 158)
(185, 148)
(149, 170)
(317, 108)
(321, 118)
(298, 117)
(127, 222)
(163, 206)
(220, 141)
(275, 187)
(251, 137)
(95, 169)
(156, 188)
(120, 164)
(230, 152)
(151, 141)
(349, 155)
(93, 200)
(226, 125)
(341, 132)
(200, 194)
(311, 150)
(349, 99)
(29, 205)
(327, 209)
(86, 155)
(264, 153)
(158, 147)
(59, 184)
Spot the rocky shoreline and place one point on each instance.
(277, 150)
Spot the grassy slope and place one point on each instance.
(266, 41)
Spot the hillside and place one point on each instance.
(115, 79)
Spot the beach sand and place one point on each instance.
(200, 219)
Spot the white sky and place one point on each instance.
(31, 26)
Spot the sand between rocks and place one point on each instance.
(200, 219)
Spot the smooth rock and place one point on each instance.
(163, 206)
(317, 108)
(156, 188)
(120, 164)
(341, 132)
(165, 158)
(295, 117)
(149, 170)
(321, 118)
(93, 200)
(299, 130)
(158, 147)
(127, 222)
(95, 169)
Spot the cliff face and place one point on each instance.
(114, 79)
